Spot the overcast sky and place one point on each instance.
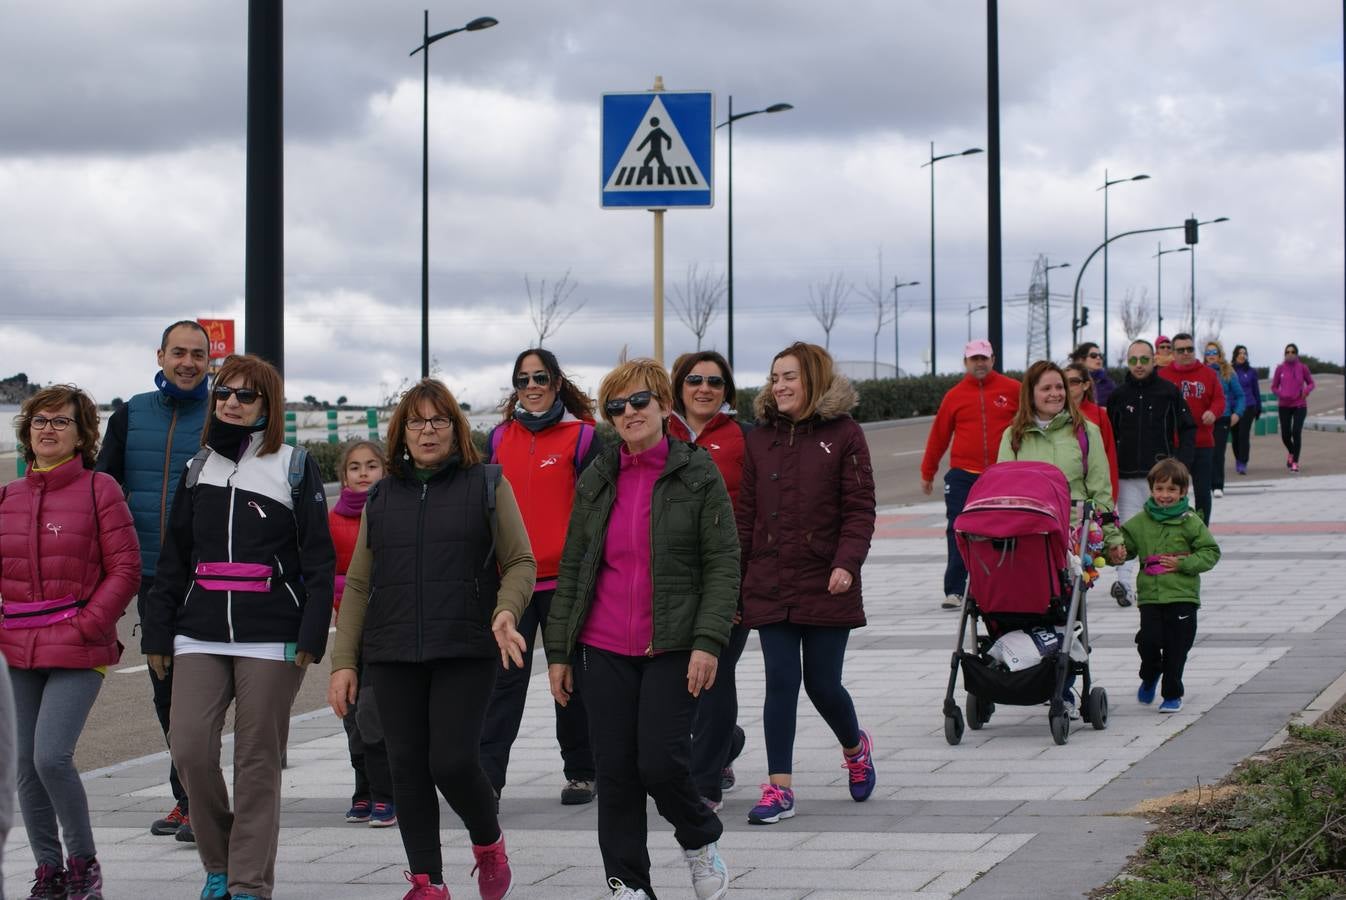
(122, 161)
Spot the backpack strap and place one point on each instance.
(1083, 437)
(493, 441)
(195, 465)
(298, 465)
(586, 440)
(492, 477)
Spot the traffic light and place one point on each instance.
(1189, 231)
(1084, 316)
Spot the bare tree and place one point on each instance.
(697, 301)
(548, 309)
(1136, 317)
(827, 299)
(1212, 323)
(877, 295)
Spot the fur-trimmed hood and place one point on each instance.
(837, 401)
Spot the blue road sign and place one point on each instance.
(658, 150)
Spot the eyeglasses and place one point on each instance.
(1095, 355)
(1138, 361)
(1212, 352)
(715, 381)
(1076, 381)
(617, 405)
(1188, 349)
(244, 395)
(438, 423)
(541, 379)
(57, 423)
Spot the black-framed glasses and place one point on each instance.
(57, 423)
(244, 395)
(541, 379)
(438, 423)
(1138, 361)
(715, 381)
(1188, 349)
(617, 405)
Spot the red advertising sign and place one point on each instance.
(221, 335)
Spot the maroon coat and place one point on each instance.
(805, 507)
(67, 532)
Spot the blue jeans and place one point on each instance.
(957, 483)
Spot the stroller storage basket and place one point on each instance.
(1023, 688)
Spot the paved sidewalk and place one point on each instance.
(1005, 814)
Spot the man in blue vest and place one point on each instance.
(148, 443)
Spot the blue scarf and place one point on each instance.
(173, 392)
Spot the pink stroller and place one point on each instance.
(1015, 537)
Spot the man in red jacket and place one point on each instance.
(1201, 388)
(972, 415)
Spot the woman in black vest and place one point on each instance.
(441, 574)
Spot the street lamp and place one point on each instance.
(970, 310)
(1159, 280)
(934, 159)
(1192, 258)
(729, 294)
(426, 40)
(1047, 300)
(1107, 184)
(897, 342)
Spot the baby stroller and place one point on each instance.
(1016, 539)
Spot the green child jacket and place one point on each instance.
(1146, 536)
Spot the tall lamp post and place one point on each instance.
(1107, 184)
(729, 292)
(1192, 258)
(934, 159)
(970, 310)
(1159, 280)
(1047, 300)
(426, 40)
(897, 339)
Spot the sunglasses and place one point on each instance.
(541, 379)
(244, 395)
(617, 405)
(715, 381)
(57, 423)
(1184, 349)
(1163, 346)
(1138, 361)
(1095, 355)
(1075, 382)
(1212, 352)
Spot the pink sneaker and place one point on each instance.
(495, 881)
(861, 766)
(422, 889)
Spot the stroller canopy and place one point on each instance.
(1012, 499)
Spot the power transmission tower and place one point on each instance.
(1038, 313)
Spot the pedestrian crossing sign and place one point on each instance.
(658, 150)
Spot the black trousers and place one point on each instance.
(369, 758)
(1220, 431)
(1242, 433)
(714, 720)
(505, 711)
(1201, 477)
(1292, 429)
(1167, 631)
(640, 719)
(432, 714)
(957, 483)
(162, 692)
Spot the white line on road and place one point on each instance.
(908, 452)
(132, 669)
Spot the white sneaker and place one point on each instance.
(710, 878)
(622, 892)
(951, 601)
(1218, 493)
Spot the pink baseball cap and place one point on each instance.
(978, 348)
(1162, 339)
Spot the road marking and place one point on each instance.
(908, 452)
(132, 669)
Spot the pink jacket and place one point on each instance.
(65, 533)
(1292, 384)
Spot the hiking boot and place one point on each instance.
(48, 883)
(83, 879)
(217, 886)
(495, 881)
(710, 878)
(1120, 593)
(577, 792)
(1171, 705)
(951, 601)
(861, 765)
(622, 892)
(170, 823)
(422, 889)
(359, 811)
(1145, 693)
(777, 803)
(382, 815)
(184, 832)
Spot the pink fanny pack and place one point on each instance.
(37, 613)
(229, 576)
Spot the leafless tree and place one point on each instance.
(1212, 323)
(827, 299)
(877, 295)
(548, 309)
(697, 301)
(1136, 317)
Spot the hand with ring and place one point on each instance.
(840, 582)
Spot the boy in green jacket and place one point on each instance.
(1176, 547)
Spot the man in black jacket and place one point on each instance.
(1150, 422)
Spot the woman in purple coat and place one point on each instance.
(1252, 401)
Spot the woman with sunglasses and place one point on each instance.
(69, 566)
(805, 520)
(1163, 351)
(241, 604)
(1092, 358)
(1252, 408)
(444, 556)
(545, 441)
(1292, 383)
(1081, 387)
(646, 595)
(1234, 408)
(703, 414)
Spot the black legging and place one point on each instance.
(1292, 429)
(1242, 434)
(432, 714)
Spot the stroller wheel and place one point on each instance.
(953, 726)
(1060, 726)
(1096, 709)
(977, 712)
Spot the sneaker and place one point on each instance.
(1218, 493)
(1145, 693)
(495, 880)
(359, 812)
(577, 792)
(1289, 460)
(1241, 468)
(169, 824)
(83, 879)
(777, 803)
(184, 832)
(1072, 708)
(1120, 593)
(1294, 466)
(422, 889)
(736, 741)
(713, 805)
(951, 601)
(217, 886)
(710, 877)
(1171, 705)
(382, 815)
(48, 883)
(861, 766)
(727, 779)
(622, 892)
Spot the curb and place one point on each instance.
(1311, 714)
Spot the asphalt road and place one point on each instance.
(122, 724)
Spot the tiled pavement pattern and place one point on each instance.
(1005, 814)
